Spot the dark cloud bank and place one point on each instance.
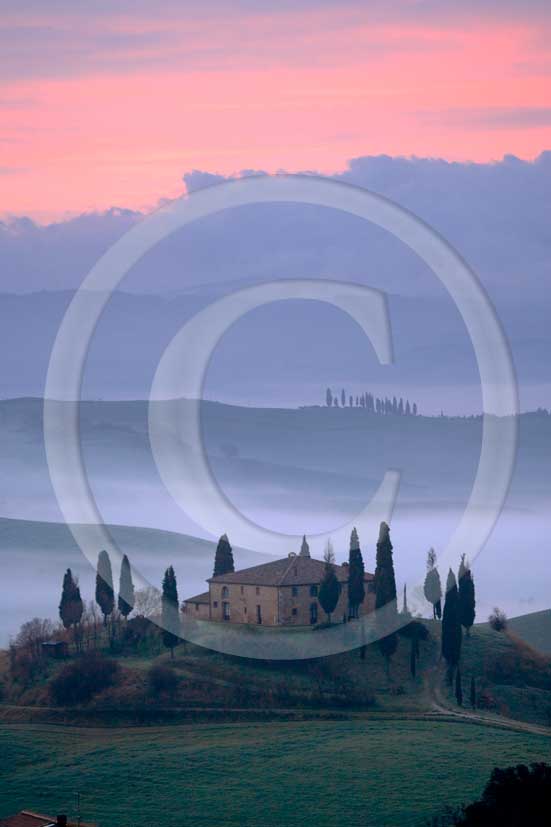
(496, 215)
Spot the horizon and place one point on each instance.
(297, 407)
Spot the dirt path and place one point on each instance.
(433, 680)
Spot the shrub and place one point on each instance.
(515, 796)
(78, 682)
(25, 667)
(162, 680)
(498, 620)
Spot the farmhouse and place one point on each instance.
(279, 593)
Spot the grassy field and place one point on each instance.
(388, 774)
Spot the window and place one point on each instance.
(258, 614)
(294, 591)
(313, 591)
(226, 610)
(215, 604)
(225, 591)
(242, 589)
(196, 607)
(258, 589)
(313, 613)
(371, 587)
(294, 612)
(244, 610)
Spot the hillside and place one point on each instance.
(512, 678)
(535, 629)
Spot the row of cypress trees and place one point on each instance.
(384, 583)
(459, 611)
(372, 404)
(459, 606)
(464, 588)
(71, 606)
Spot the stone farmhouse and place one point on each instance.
(279, 593)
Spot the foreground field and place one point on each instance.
(364, 773)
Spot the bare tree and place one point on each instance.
(33, 634)
(147, 602)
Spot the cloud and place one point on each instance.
(198, 180)
(492, 117)
(75, 38)
(495, 214)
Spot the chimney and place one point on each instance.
(61, 820)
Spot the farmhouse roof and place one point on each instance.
(294, 570)
(26, 818)
(199, 598)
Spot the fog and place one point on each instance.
(294, 472)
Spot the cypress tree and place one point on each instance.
(433, 587)
(170, 615)
(71, 606)
(385, 590)
(343, 398)
(126, 589)
(330, 587)
(473, 692)
(467, 603)
(458, 688)
(105, 596)
(451, 624)
(405, 608)
(328, 397)
(356, 572)
(223, 559)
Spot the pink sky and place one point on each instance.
(113, 108)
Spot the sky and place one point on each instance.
(110, 103)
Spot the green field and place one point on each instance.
(380, 773)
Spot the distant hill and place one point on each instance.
(317, 451)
